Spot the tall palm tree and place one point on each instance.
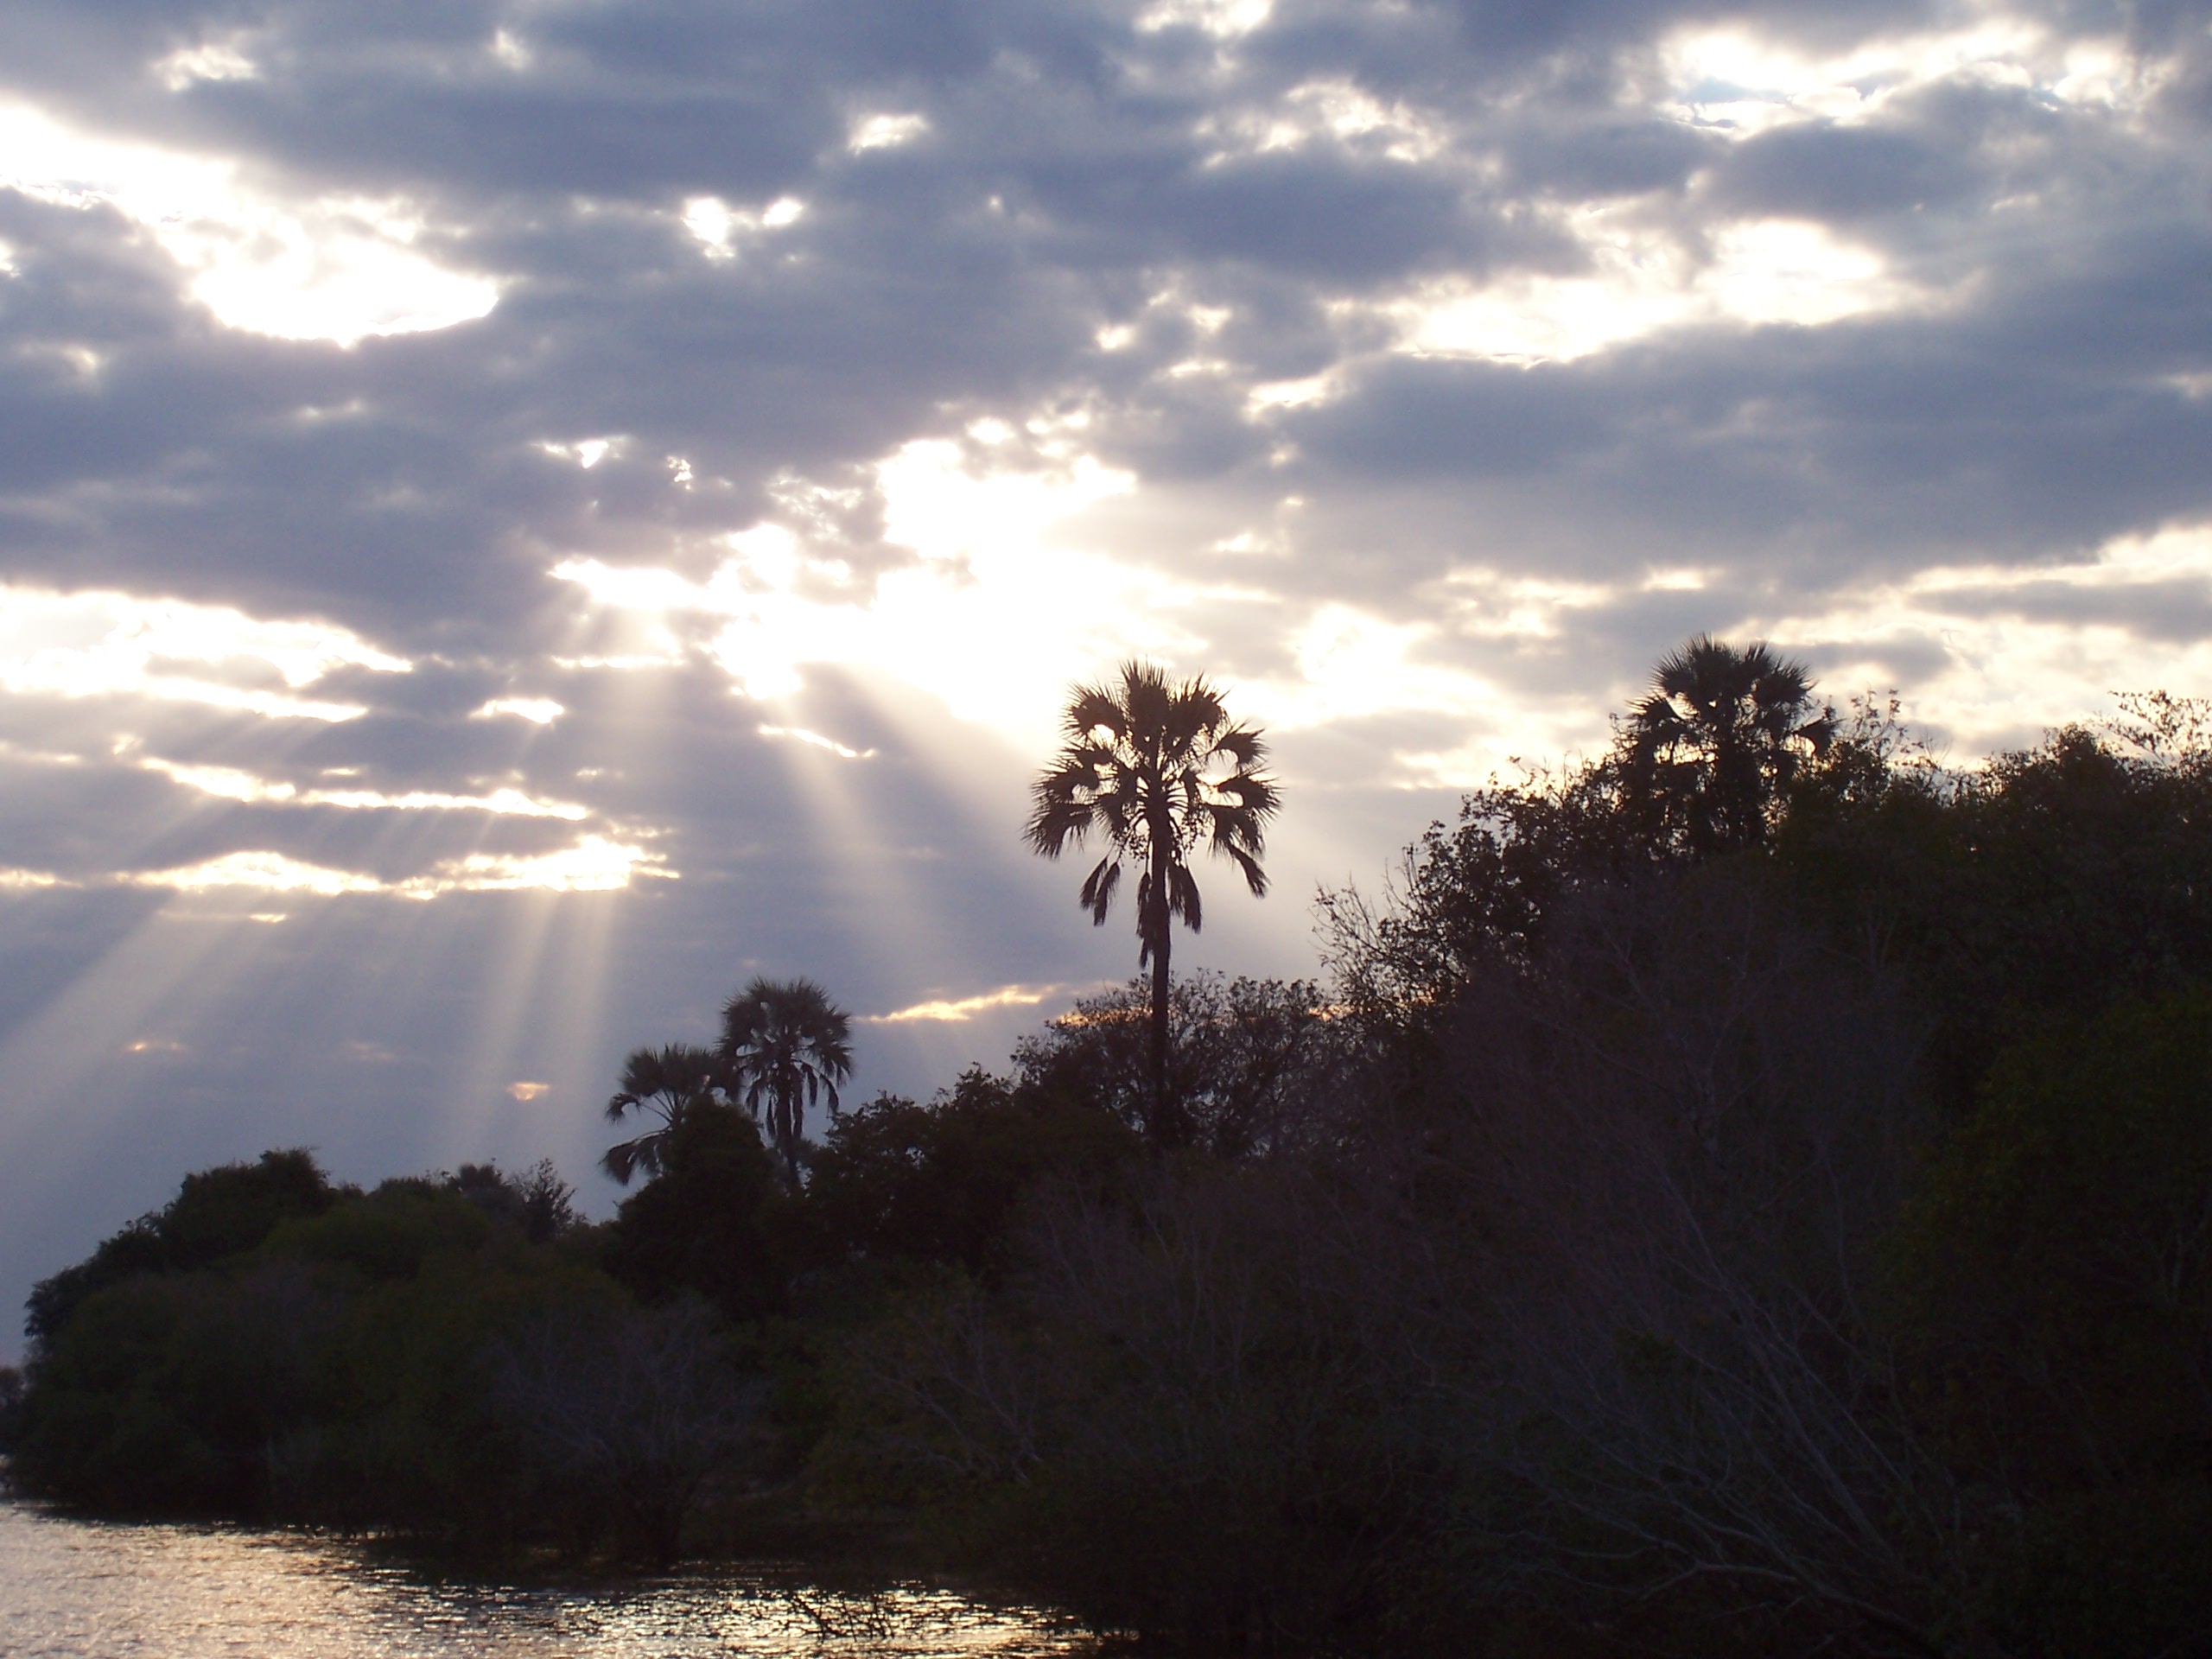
(663, 1083)
(1712, 746)
(1157, 770)
(785, 1045)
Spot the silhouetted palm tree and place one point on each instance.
(661, 1082)
(1710, 750)
(784, 1045)
(1157, 770)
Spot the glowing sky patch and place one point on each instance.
(959, 1010)
(220, 59)
(586, 453)
(538, 711)
(885, 131)
(1333, 111)
(230, 784)
(1643, 280)
(2021, 651)
(594, 864)
(1224, 19)
(89, 645)
(262, 872)
(1742, 82)
(332, 268)
(983, 621)
(800, 734)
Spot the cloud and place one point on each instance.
(959, 1010)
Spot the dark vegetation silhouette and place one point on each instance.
(785, 1045)
(1743, 1192)
(658, 1084)
(1156, 769)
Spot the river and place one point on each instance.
(74, 1589)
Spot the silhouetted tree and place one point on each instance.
(1725, 744)
(661, 1082)
(538, 1202)
(1157, 770)
(630, 1414)
(2052, 1286)
(11, 1407)
(1707, 753)
(944, 1181)
(701, 1225)
(784, 1045)
(1252, 1066)
(217, 1212)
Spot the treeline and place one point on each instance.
(1748, 1192)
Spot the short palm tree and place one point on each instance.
(1156, 769)
(1711, 748)
(657, 1083)
(785, 1045)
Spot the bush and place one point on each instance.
(2052, 1286)
(703, 1225)
(217, 1213)
(897, 1181)
(276, 1355)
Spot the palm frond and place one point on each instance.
(1155, 768)
(1097, 894)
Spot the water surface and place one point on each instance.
(76, 1589)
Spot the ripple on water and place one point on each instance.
(76, 1589)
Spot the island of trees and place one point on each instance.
(1748, 1191)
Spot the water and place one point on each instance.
(91, 1590)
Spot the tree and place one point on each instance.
(1709, 752)
(2051, 1288)
(1252, 1066)
(216, 1213)
(663, 1083)
(945, 1180)
(701, 1227)
(1156, 769)
(784, 1045)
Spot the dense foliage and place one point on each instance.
(1745, 1194)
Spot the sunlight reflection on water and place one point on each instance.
(81, 1590)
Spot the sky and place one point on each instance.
(517, 516)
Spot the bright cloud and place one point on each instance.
(594, 864)
(1742, 82)
(538, 711)
(329, 268)
(231, 785)
(89, 645)
(800, 734)
(722, 230)
(959, 1010)
(983, 621)
(885, 131)
(1224, 19)
(1642, 281)
(2020, 649)
(217, 60)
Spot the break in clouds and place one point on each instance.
(518, 516)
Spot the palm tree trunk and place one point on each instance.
(1164, 1134)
